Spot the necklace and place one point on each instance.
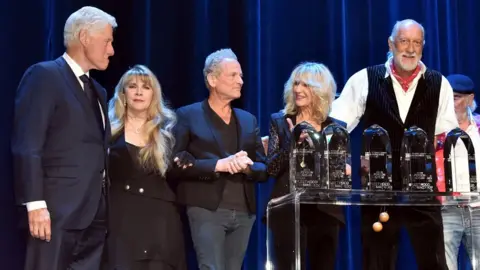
(137, 130)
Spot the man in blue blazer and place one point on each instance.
(59, 146)
(227, 160)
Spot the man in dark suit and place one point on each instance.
(59, 146)
(219, 187)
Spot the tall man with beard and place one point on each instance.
(398, 95)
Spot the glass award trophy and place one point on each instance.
(376, 159)
(416, 159)
(458, 162)
(335, 155)
(304, 158)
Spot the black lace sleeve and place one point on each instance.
(277, 157)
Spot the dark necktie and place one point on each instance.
(93, 98)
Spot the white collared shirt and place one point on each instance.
(349, 107)
(78, 71)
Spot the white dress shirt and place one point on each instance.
(349, 107)
(78, 71)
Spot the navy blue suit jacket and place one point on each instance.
(200, 185)
(59, 151)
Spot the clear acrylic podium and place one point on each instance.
(292, 203)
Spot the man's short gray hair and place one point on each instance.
(213, 61)
(399, 24)
(86, 18)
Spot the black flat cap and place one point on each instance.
(461, 83)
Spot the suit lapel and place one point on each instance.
(103, 103)
(119, 147)
(108, 132)
(74, 85)
(209, 121)
(80, 95)
(102, 98)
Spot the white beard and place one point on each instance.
(407, 66)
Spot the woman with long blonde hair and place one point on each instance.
(308, 96)
(145, 227)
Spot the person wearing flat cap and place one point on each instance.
(455, 218)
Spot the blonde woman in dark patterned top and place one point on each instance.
(308, 95)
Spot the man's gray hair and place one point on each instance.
(213, 61)
(405, 22)
(87, 18)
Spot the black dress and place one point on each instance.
(145, 229)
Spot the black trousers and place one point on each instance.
(424, 226)
(318, 238)
(70, 249)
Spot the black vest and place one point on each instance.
(382, 109)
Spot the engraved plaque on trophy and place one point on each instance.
(376, 159)
(416, 158)
(461, 159)
(304, 158)
(336, 155)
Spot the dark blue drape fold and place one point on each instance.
(269, 36)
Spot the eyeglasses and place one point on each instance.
(406, 42)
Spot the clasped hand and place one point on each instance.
(238, 163)
(184, 160)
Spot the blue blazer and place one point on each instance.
(200, 185)
(59, 151)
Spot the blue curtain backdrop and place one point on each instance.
(270, 37)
